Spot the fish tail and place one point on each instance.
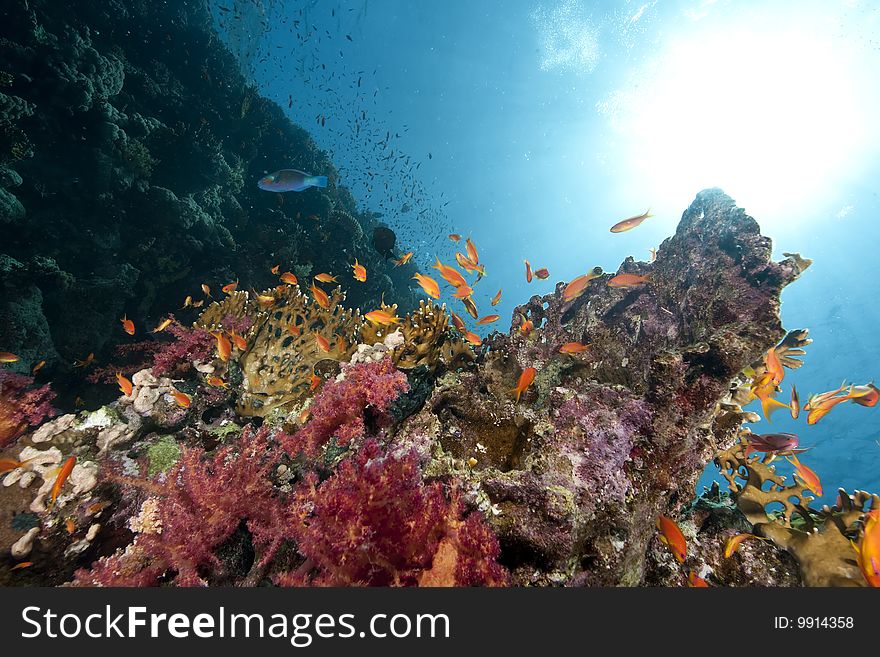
(319, 181)
(769, 405)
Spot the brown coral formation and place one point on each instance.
(278, 364)
(780, 511)
(427, 340)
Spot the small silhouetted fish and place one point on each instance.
(384, 240)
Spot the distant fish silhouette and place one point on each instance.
(290, 180)
(384, 240)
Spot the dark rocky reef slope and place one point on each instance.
(130, 147)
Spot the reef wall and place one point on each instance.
(130, 147)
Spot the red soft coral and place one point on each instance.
(376, 523)
(340, 408)
(202, 502)
(22, 406)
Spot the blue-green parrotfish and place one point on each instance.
(290, 180)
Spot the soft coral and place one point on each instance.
(22, 406)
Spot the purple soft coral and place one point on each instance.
(339, 408)
(22, 406)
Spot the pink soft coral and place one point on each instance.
(340, 408)
(22, 406)
(202, 502)
(376, 523)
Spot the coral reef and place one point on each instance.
(157, 183)
(22, 405)
(819, 540)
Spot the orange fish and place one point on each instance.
(578, 285)
(320, 296)
(632, 222)
(341, 346)
(187, 302)
(183, 400)
(763, 388)
(125, 385)
(264, 300)
(457, 322)
(275, 269)
(628, 280)
(63, 474)
(472, 338)
(795, 405)
(466, 263)
(697, 582)
(325, 278)
(807, 477)
(289, 278)
(528, 271)
(229, 288)
(6, 357)
(164, 324)
(85, 363)
(867, 395)
(543, 273)
(402, 260)
(449, 274)
(429, 285)
(23, 564)
(217, 382)
(8, 465)
(774, 367)
(206, 290)
(360, 274)
(316, 381)
(488, 319)
(38, 367)
(525, 380)
(573, 348)
(322, 343)
(671, 536)
(239, 342)
(463, 291)
(70, 525)
(382, 317)
(127, 325)
(293, 329)
(199, 303)
(822, 408)
(526, 326)
(471, 307)
(473, 256)
(733, 543)
(224, 347)
(496, 298)
(868, 548)
(455, 237)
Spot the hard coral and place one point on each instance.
(341, 408)
(819, 540)
(278, 365)
(22, 406)
(375, 523)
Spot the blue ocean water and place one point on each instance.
(533, 127)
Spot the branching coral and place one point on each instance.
(341, 407)
(427, 340)
(375, 523)
(818, 540)
(22, 405)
